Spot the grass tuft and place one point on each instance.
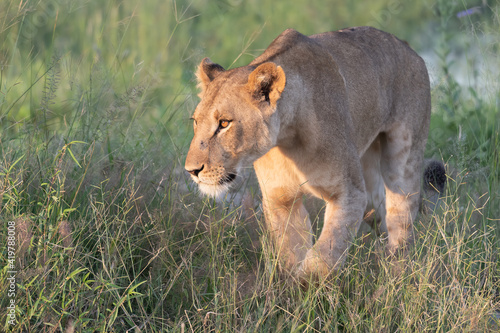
(110, 234)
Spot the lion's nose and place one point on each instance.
(195, 172)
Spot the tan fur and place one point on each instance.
(343, 116)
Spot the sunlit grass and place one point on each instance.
(112, 236)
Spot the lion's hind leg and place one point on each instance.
(375, 190)
(401, 166)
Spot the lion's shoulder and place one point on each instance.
(287, 41)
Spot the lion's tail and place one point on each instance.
(434, 182)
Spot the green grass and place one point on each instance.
(112, 236)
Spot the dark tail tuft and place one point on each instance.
(434, 184)
(434, 177)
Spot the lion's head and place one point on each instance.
(235, 122)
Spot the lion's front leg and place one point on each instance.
(343, 217)
(289, 226)
(287, 220)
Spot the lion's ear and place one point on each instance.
(206, 73)
(267, 82)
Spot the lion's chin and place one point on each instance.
(219, 189)
(216, 191)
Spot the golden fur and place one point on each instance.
(342, 115)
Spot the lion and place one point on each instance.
(343, 116)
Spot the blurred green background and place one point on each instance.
(95, 100)
(120, 72)
(150, 49)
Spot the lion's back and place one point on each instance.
(381, 73)
(384, 80)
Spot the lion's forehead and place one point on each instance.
(227, 84)
(220, 103)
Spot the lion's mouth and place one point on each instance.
(218, 188)
(227, 179)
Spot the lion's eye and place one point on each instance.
(224, 123)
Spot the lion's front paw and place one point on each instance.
(314, 265)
